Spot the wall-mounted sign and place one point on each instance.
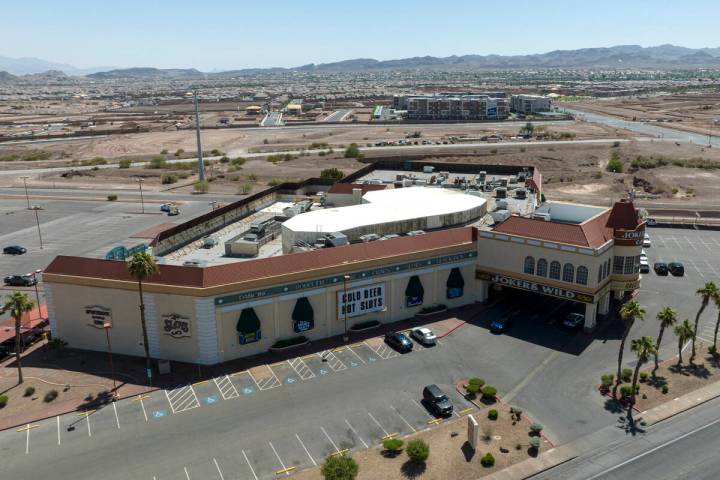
(361, 300)
(625, 286)
(175, 325)
(629, 237)
(98, 315)
(549, 290)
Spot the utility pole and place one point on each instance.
(27, 197)
(201, 164)
(37, 220)
(142, 201)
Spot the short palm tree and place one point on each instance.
(629, 312)
(642, 347)
(142, 266)
(17, 303)
(667, 317)
(683, 332)
(716, 300)
(708, 291)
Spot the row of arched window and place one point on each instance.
(555, 271)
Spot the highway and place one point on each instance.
(337, 116)
(272, 119)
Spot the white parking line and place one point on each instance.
(335, 363)
(711, 268)
(378, 424)
(403, 419)
(383, 351)
(420, 406)
(356, 434)
(696, 268)
(279, 459)
(222, 477)
(299, 365)
(306, 450)
(226, 387)
(87, 418)
(58, 428)
(330, 439)
(117, 419)
(248, 462)
(692, 244)
(676, 242)
(358, 356)
(187, 475)
(715, 240)
(182, 398)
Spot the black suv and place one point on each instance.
(398, 341)
(14, 250)
(20, 280)
(677, 269)
(436, 400)
(660, 268)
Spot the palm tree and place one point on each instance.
(716, 300)
(629, 312)
(683, 332)
(708, 291)
(17, 303)
(643, 348)
(667, 317)
(141, 266)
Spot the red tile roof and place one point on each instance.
(347, 188)
(267, 267)
(591, 233)
(623, 216)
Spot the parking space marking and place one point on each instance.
(140, 399)
(715, 240)
(660, 237)
(226, 387)
(380, 348)
(252, 470)
(711, 268)
(27, 429)
(676, 242)
(222, 477)
(262, 380)
(306, 450)
(696, 268)
(403, 419)
(187, 475)
(332, 360)
(692, 244)
(420, 406)
(358, 356)
(58, 428)
(117, 419)
(330, 439)
(87, 414)
(352, 429)
(245, 384)
(378, 424)
(182, 399)
(299, 365)
(284, 469)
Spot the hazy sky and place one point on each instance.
(225, 34)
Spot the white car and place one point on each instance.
(644, 266)
(643, 255)
(646, 241)
(424, 335)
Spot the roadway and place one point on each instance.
(272, 119)
(337, 116)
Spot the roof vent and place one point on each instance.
(542, 216)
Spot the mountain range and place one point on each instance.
(621, 56)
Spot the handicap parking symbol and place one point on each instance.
(323, 371)
(159, 413)
(291, 380)
(248, 390)
(353, 364)
(211, 399)
(371, 359)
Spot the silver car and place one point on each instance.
(424, 335)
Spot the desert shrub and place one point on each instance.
(266, 141)
(516, 413)
(224, 159)
(493, 151)
(3, 401)
(665, 388)
(487, 460)
(245, 188)
(418, 450)
(597, 175)
(112, 198)
(332, 174)
(616, 144)
(274, 182)
(340, 468)
(536, 428)
(318, 145)
(607, 379)
(29, 391)
(157, 162)
(474, 385)
(534, 443)
(289, 342)
(252, 177)
(626, 374)
(125, 163)
(393, 445)
(626, 390)
(36, 155)
(179, 152)
(648, 162)
(168, 178)
(280, 157)
(352, 151)
(322, 153)
(489, 392)
(493, 414)
(237, 161)
(201, 186)
(643, 376)
(615, 165)
(50, 396)
(163, 151)
(216, 153)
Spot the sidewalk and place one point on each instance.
(681, 404)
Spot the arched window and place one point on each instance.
(542, 267)
(555, 270)
(529, 265)
(581, 276)
(568, 272)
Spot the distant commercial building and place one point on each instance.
(529, 104)
(453, 107)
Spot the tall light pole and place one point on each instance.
(35, 208)
(201, 163)
(27, 197)
(142, 201)
(345, 304)
(37, 294)
(106, 327)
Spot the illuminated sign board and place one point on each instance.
(527, 285)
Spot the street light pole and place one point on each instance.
(35, 208)
(37, 294)
(345, 304)
(106, 327)
(201, 163)
(142, 201)
(27, 197)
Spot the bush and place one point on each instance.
(157, 162)
(339, 468)
(289, 342)
(493, 414)
(418, 450)
(665, 388)
(393, 445)
(493, 151)
(535, 429)
(125, 163)
(615, 164)
(516, 413)
(112, 198)
(474, 385)
(643, 376)
(366, 324)
(487, 460)
(489, 392)
(332, 174)
(50, 396)
(534, 442)
(352, 151)
(215, 152)
(57, 344)
(245, 188)
(274, 182)
(201, 186)
(179, 152)
(224, 159)
(238, 161)
(626, 374)
(434, 308)
(616, 144)
(168, 178)
(29, 391)
(626, 390)
(3, 401)
(607, 379)
(266, 141)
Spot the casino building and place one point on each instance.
(208, 306)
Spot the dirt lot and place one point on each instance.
(688, 112)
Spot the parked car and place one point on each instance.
(574, 320)
(6, 351)
(437, 401)
(643, 255)
(398, 341)
(677, 269)
(20, 280)
(173, 210)
(661, 268)
(501, 325)
(646, 241)
(644, 265)
(165, 207)
(651, 221)
(14, 250)
(424, 335)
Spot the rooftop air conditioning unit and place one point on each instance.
(500, 193)
(521, 193)
(542, 216)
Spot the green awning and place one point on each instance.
(303, 315)
(248, 326)
(455, 279)
(414, 292)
